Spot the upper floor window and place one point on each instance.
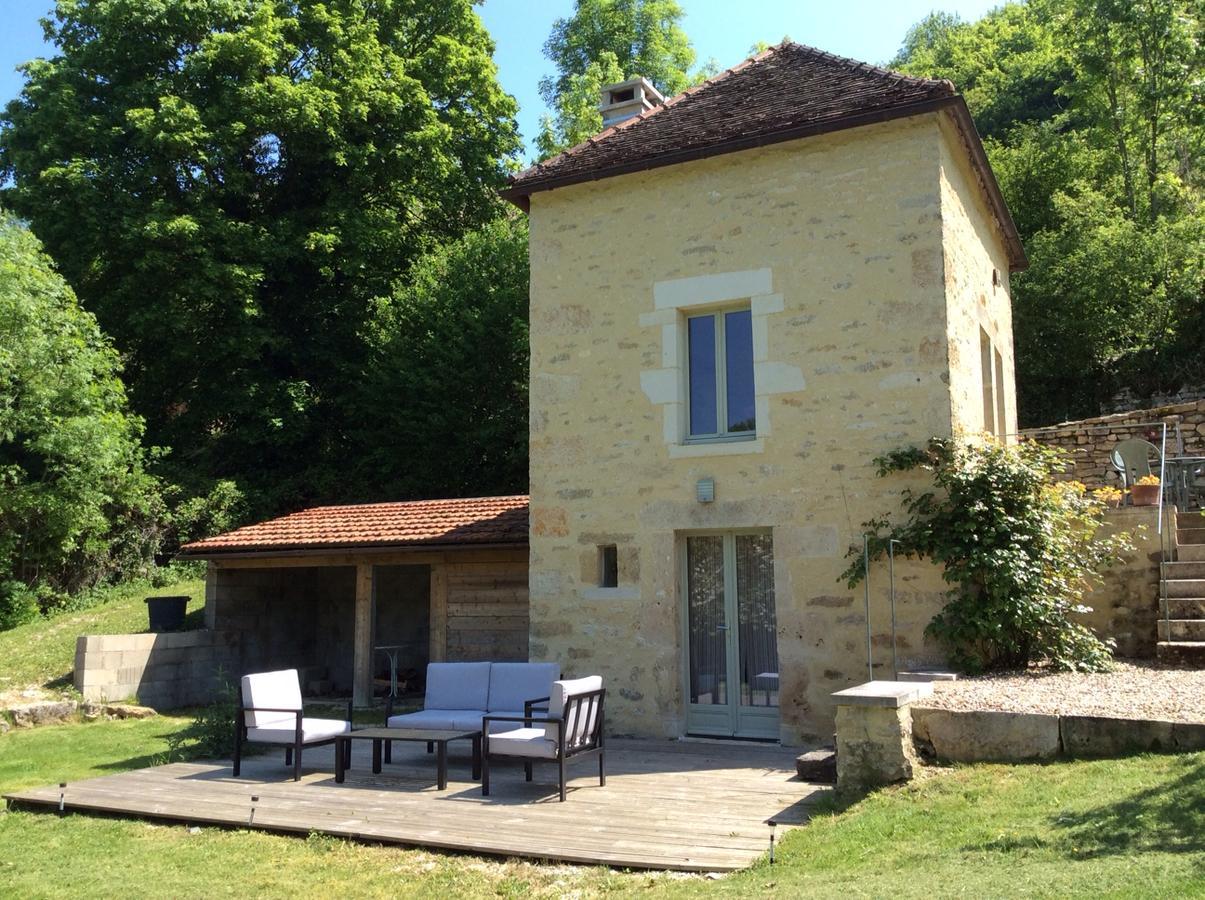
(720, 376)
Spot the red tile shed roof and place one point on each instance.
(789, 91)
(470, 522)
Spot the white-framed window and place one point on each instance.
(720, 396)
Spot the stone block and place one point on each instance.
(892, 694)
(1188, 736)
(51, 712)
(817, 766)
(985, 736)
(874, 747)
(1087, 736)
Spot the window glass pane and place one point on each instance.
(701, 338)
(608, 565)
(757, 625)
(706, 620)
(738, 349)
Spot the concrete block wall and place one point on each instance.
(160, 670)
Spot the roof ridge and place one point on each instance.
(646, 113)
(859, 65)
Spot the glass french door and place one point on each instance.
(731, 635)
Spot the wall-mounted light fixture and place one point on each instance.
(705, 490)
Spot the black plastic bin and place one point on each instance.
(166, 613)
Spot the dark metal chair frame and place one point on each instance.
(590, 745)
(292, 751)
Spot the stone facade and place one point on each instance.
(870, 267)
(162, 670)
(1090, 441)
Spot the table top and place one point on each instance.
(409, 734)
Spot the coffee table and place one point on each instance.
(379, 735)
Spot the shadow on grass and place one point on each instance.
(1168, 818)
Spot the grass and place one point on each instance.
(1112, 828)
(41, 653)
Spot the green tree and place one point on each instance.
(443, 400)
(605, 41)
(229, 185)
(76, 504)
(1094, 127)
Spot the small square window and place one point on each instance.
(608, 566)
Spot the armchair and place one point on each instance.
(270, 712)
(572, 727)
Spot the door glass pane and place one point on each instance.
(701, 338)
(757, 627)
(706, 620)
(738, 370)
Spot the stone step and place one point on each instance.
(1191, 553)
(1181, 653)
(1186, 607)
(817, 766)
(1184, 568)
(1182, 629)
(1190, 535)
(1184, 587)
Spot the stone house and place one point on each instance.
(739, 298)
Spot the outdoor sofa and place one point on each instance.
(460, 694)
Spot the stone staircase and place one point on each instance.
(1184, 588)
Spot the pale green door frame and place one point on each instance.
(730, 671)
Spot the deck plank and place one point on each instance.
(667, 805)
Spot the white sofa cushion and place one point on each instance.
(439, 720)
(271, 690)
(529, 742)
(579, 727)
(457, 685)
(513, 684)
(311, 730)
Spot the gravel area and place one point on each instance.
(1131, 691)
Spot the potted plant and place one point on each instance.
(1109, 496)
(1145, 491)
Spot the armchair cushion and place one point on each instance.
(578, 729)
(529, 742)
(271, 690)
(311, 730)
(458, 686)
(513, 684)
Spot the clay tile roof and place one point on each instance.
(473, 521)
(787, 92)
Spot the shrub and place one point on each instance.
(1019, 548)
(77, 506)
(18, 604)
(210, 735)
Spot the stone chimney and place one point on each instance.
(622, 101)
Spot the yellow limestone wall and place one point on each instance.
(839, 242)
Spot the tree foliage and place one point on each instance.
(76, 503)
(445, 389)
(230, 185)
(603, 42)
(1019, 548)
(1093, 118)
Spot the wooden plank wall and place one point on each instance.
(487, 610)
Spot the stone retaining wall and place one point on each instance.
(996, 736)
(1090, 441)
(162, 670)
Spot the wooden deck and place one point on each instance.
(667, 805)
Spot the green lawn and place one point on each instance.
(41, 653)
(1113, 828)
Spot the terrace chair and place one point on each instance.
(270, 712)
(1132, 459)
(571, 728)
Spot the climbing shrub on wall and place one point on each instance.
(1019, 548)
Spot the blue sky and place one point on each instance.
(869, 30)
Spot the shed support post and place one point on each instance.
(362, 647)
(439, 613)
